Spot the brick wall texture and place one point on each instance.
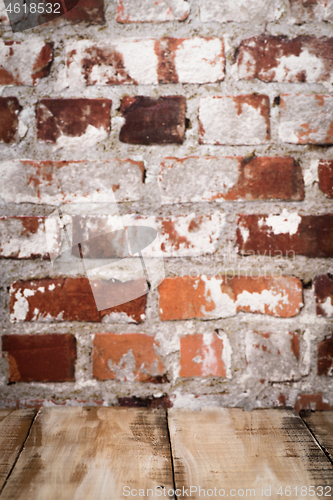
(166, 214)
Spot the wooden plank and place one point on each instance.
(321, 424)
(236, 451)
(4, 413)
(92, 453)
(14, 428)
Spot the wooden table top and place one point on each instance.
(80, 453)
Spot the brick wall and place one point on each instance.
(210, 121)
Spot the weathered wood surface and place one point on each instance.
(92, 454)
(321, 424)
(232, 449)
(14, 428)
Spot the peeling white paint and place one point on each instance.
(286, 223)
(226, 353)
(90, 138)
(225, 306)
(20, 308)
(159, 11)
(327, 306)
(200, 60)
(311, 174)
(125, 369)
(257, 302)
(240, 11)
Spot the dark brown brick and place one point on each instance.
(325, 357)
(40, 358)
(313, 237)
(153, 121)
(9, 110)
(313, 402)
(323, 290)
(325, 174)
(71, 117)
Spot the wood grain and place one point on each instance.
(321, 424)
(229, 448)
(92, 453)
(14, 428)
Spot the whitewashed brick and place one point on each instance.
(306, 119)
(146, 61)
(234, 120)
(152, 11)
(239, 11)
(272, 357)
(314, 11)
(53, 183)
(24, 63)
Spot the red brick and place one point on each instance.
(153, 121)
(71, 117)
(201, 356)
(71, 299)
(272, 357)
(279, 59)
(303, 11)
(230, 178)
(132, 11)
(306, 119)
(234, 120)
(325, 174)
(216, 297)
(9, 110)
(313, 402)
(25, 237)
(89, 11)
(286, 234)
(40, 358)
(165, 60)
(126, 357)
(56, 182)
(323, 291)
(325, 357)
(16, 69)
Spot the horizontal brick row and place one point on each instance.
(170, 60)
(130, 11)
(101, 237)
(217, 297)
(304, 119)
(286, 234)
(130, 357)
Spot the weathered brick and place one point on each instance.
(145, 402)
(195, 179)
(313, 402)
(238, 10)
(82, 122)
(303, 11)
(127, 357)
(22, 63)
(279, 59)
(153, 121)
(306, 119)
(71, 299)
(234, 120)
(56, 182)
(165, 60)
(40, 358)
(325, 357)
(151, 11)
(285, 234)
(25, 237)
(202, 356)
(89, 11)
(272, 357)
(183, 235)
(323, 291)
(218, 297)
(325, 175)
(9, 122)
